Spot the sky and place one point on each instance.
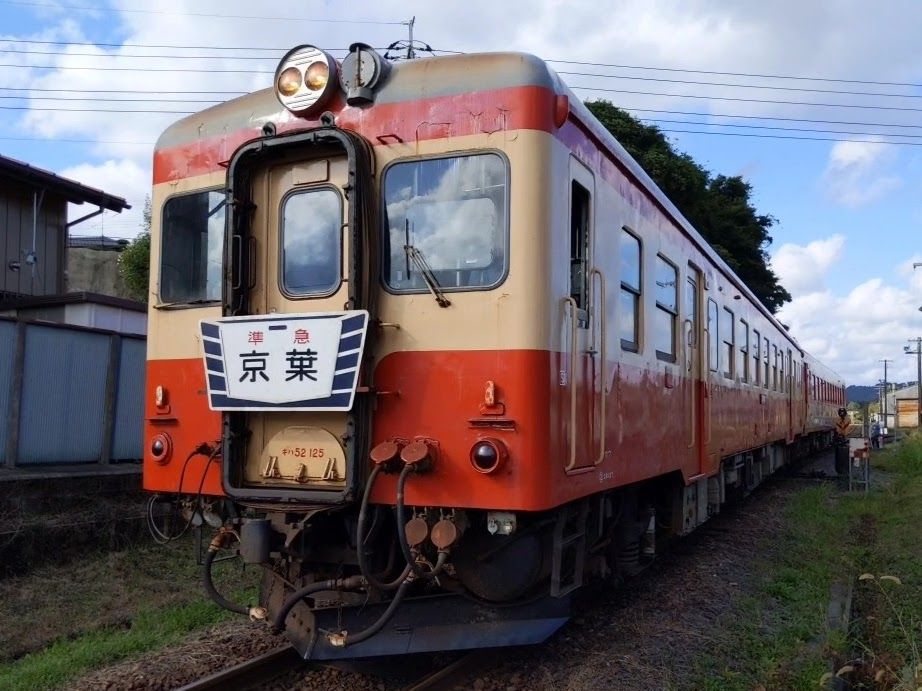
(825, 100)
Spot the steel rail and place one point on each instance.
(250, 673)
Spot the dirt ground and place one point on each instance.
(658, 632)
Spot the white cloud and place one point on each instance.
(122, 178)
(802, 269)
(860, 173)
(851, 333)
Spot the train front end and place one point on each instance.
(350, 373)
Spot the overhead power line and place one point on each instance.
(806, 139)
(785, 129)
(773, 118)
(744, 100)
(164, 46)
(112, 91)
(138, 69)
(746, 86)
(735, 74)
(251, 58)
(119, 10)
(760, 75)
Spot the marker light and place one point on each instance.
(161, 448)
(487, 455)
(305, 79)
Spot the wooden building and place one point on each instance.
(34, 226)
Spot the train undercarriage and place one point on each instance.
(373, 579)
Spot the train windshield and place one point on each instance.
(448, 217)
(192, 247)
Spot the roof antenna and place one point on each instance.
(410, 45)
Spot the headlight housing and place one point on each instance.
(305, 79)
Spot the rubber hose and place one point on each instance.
(213, 592)
(382, 620)
(278, 623)
(360, 539)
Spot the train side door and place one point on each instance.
(584, 333)
(695, 365)
(790, 385)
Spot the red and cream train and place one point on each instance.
(436, 351)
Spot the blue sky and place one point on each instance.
(849, 212)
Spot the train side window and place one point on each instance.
(743, 340)
(766, 380)
(580, 201)
(756, 358)
(727, 329)
(192, 248)
(782, 380)
(629, 319)
(774, 367)
(713, 350)
(667, 309)
(789, 382)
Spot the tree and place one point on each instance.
(134, 261)
(718, 206)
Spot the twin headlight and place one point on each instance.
(307, 77)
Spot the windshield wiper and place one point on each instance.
(200, 301)
(419, 261)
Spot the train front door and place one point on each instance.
(696, 368)
(303, 343)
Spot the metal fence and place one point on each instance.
(69, 394)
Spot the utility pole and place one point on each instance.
(918, 353)
(886, 391)
(411, 53)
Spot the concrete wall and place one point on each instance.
(94, 271)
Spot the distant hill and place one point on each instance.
(861, 394)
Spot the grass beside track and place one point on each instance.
(59, 623)
(781, 640)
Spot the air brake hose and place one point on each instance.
(213, 592)
(218, 542)
(360, 539)
(342, 639)
(278, 622)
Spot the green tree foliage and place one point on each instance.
(718, 206)
(134, 261)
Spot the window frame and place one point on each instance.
(730, 370)
(713, 319)
(632, 346)
(198, 303)
(341, 246)
(744, 351)
(674, 312)
(757, 357)
(384, 232)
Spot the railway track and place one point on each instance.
(251, 674)
(262, 669)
